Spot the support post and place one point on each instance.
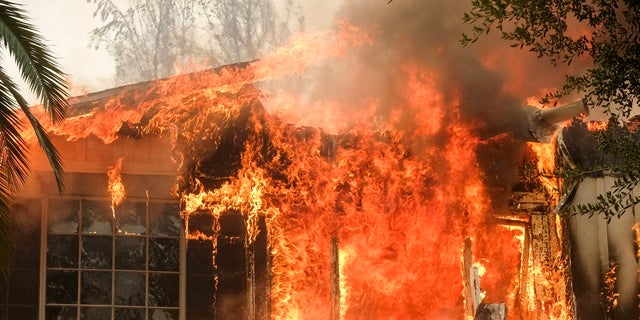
(251, 279)
(469, 291)
(335, 279)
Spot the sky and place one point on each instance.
(66, 26)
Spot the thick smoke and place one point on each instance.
(489, 80)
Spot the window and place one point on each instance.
(121, 265)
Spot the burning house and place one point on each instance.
(187, 198)
(114, 245)
(197, 204)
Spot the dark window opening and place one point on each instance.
(219, 279)
(19, 296)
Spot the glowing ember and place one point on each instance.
(596, 125)
(609, 287)
(636, 229)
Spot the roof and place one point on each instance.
(152, 106)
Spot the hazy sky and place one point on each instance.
(66, 25)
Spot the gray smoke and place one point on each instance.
(489, 80)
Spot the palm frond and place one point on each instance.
(47, 81)
(7, 231)
(13, 169)
(13, 158)
(12, 94)
(36, 64)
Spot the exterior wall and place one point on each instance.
(148, 174)
(596, 246)
(150, 155)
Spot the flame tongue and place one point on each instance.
(116, 187)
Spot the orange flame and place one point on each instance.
(597, 125)
(609, 289)
(636, 229)
(116, 187)
(545, 153)
(399, 218)
(346, 257)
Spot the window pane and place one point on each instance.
(129, 289)
(62, 286)
(130, 253)
(63, 216)
(95, 313)
(163, 289)
(96, 252)
(164, 219)
(164, 254)
(129, 314)
(97, 217)
(160, 314)
(131, 218)
(62, 251)
(96, 287)
(24, 286)
(61, 313)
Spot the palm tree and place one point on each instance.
(38, 69)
